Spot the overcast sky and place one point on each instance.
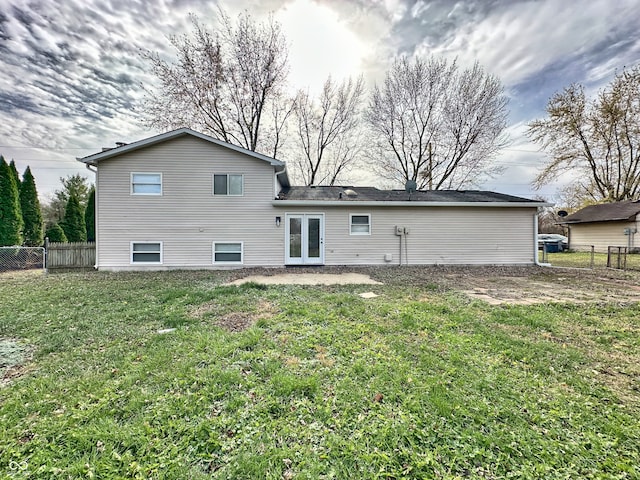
(71, 76)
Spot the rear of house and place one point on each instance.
(183, 200)
(367, 226)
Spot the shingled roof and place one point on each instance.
(605, 212)
(372, 194)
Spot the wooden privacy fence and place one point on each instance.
(70, 256)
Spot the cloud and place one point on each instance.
(72, 76)
(518, 39)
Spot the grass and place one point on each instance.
(311, 382)
(584, 260)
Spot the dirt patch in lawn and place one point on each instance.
(556, 287)
(234, 321)
(529, 291)
(306, 278)
(13, 357)
(496, 285)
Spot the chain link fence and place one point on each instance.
(587, 256)
(22, 258)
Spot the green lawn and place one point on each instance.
(585, 260)
(310, 382)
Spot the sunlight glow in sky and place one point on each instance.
(321, 45)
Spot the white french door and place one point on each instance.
(304, 243)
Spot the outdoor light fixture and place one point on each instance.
(277, 221)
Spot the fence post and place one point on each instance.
(592, 256)
(46, 252)
(619, 253)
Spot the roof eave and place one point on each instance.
(574, 222)
(374, 203)
(147, 142)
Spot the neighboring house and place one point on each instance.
(604, 225)
(186, 200)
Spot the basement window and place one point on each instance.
(227, 252)
(146, 252)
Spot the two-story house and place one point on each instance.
(184, 200)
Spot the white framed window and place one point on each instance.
(146, 183)
(227, 252)
(228, 184)
(146, 252)
(360, 224)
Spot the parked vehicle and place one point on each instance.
(554, 242)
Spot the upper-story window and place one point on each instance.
(146, 184)
(228, 184)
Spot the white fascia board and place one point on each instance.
(347, 204)
(113, 152)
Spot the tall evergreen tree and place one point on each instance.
(73, 221)
(90, 216)
(14, 170)
(31, 211)
(10, 216)
(55, 234)
(53, 211)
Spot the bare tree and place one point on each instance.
(548, 218)
(598, 140)
(328, 131)
(437, 125)
(224, 84)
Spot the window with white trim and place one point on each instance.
(227, 252)
(228, 184)
(146, 183)
(359, 224)
(146, 252)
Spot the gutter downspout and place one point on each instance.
(95, 213)
(275, 183)
(535, 242)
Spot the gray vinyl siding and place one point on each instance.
(602, 235)
(187, 218)
(438, 235)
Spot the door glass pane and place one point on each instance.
(295, 237)
(314, 238)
